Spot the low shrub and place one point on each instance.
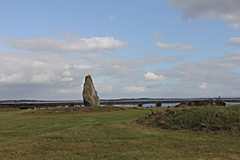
(220, 102)
(72, 104)
(158, 104)
(109, 103)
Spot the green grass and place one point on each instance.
(104, 133)
(214, 118)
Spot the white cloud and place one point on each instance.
(234, 25)
(200, 9)
(153, 77)
(66, 73)
(34, 68)
(187, 47)
(75, 90)
(111, 18)
(217, 71)
(179, 46)
(154, 85)
(157, 35)
(234, 41)
(50, 76)
(68, 44)
(132, 89)
(104, 87)
(47, 77)
(12, 77)
(203, 85)
(167, 46)
(67, 79)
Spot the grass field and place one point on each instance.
(104, 134)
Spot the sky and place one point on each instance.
(132, 49)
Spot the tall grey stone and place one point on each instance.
(89, 94)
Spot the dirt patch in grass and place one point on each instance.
(210, 119)
(69, 110)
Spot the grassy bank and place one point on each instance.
(210, 119)
(104, 134)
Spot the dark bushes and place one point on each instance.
(220, 102)
(158, 104)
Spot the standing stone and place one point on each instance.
(90, 96)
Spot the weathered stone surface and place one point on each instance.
(90, 96)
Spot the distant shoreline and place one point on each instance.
(25, 104)
(121, 100)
